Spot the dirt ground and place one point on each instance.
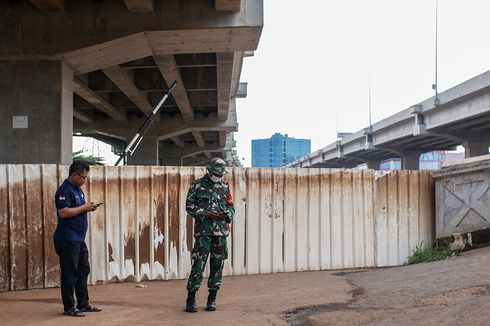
(455, 291)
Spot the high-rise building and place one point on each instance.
(278, 150)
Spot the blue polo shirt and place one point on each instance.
(73, 228)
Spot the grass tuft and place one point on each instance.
(423, 254)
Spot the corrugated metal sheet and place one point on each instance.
(286, 220)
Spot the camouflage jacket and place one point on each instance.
(205, 196)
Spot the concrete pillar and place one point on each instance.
(473, 148)
(374, 165)
(36, 112)
(410, 160)
(170, 161)
(146, 153)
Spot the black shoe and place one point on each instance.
(190, 303)
(211, 305)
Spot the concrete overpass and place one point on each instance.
(461, 116)
(97, 68)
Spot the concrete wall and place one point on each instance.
(286, 220)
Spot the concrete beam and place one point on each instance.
(90, 96)
(177, 141)
(82, 116)
(222, 138)
(224, 71)
(229, 125)
(140, 45)
(50, 5)
(171, 73)
(140, 5)
(198, 137)
(228, 5)
(163, 129)
(178, 132)
(172, 155)
(483, 126)
(463, 125)
(235, 75)
(120, 77)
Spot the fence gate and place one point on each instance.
(463, 198)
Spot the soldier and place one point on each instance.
(210, 203)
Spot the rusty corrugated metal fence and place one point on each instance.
(286, 220)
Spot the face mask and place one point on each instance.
(215, 178)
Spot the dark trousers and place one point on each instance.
(74, 272)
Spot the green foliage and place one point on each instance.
(421, 254)
(91, 160)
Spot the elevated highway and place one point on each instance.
(461, 116)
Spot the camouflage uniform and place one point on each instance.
(206, 196)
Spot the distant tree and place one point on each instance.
(90, 159)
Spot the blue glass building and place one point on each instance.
(278, 150)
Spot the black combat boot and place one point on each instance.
(211, 305)
(190, 303)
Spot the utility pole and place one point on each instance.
(434, 86)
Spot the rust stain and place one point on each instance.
(145, 241)
(129, 247)
(18, 237)
(173, 211)
(4, 245)
(110, 252)
(51, 260)
(34, 230)
(303, 183)
(315, 180)
(128, 201)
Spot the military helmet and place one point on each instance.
(217, 166)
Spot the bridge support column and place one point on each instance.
(473, 148)
(374, 165)
(36, 112)
(170, 161)
(410, 160)
(146, 153)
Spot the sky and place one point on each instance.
(315, 60)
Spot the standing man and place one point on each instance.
(210, 203)
(69, 240)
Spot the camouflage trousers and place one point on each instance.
(203, 246)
